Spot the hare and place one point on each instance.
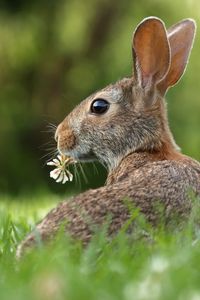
(125, 127)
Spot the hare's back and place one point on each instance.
(169, 181)
(168, 173)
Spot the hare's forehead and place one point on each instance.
(114, 94)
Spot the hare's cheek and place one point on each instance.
(66, 141)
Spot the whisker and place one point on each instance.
(50, 148)
(51, 125)
(77, 176)
(83, 172)
(50, 155)
(50, 143)
(74, 171)
(95, 168)
(50, 130)
(104, 165)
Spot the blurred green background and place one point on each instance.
(55, 53)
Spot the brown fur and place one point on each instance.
(65, 137)
(132, 139)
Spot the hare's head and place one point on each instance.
(130, 115)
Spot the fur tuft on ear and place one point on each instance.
(181, 37)
(151, 52)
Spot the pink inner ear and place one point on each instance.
(181, 38)
(151, 52)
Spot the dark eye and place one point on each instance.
(99, 106)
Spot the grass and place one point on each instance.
(148, 264)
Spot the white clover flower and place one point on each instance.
(60, 173)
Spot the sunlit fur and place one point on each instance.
(129, 125)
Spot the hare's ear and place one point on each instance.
(181, 37)
(151, 52)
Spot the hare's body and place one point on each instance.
(125, 127)
(144, 183)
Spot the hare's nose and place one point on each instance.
(64, 137)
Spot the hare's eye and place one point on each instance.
(99, 106)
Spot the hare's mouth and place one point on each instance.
(85, 157)
(80, 156)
